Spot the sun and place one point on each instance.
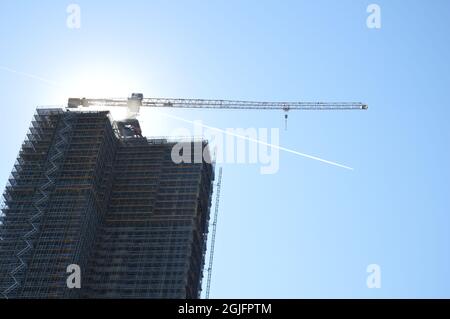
(111, 80)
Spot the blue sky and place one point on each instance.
(311, 229)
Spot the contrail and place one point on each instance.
(31, 76)
(258, 141)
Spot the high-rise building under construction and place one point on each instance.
(91, 192)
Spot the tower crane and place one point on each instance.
(137, 100)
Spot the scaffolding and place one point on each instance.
(25, 196)
(50, 195)
(134, 221)
(151, 243)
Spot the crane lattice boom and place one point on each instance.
(138, 100)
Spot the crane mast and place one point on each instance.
(213, 236)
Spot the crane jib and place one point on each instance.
(137, 99)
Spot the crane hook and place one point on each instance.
(285, 121)
(286, 109)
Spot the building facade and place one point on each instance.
(94, 193)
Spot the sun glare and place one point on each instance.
(107, 84)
